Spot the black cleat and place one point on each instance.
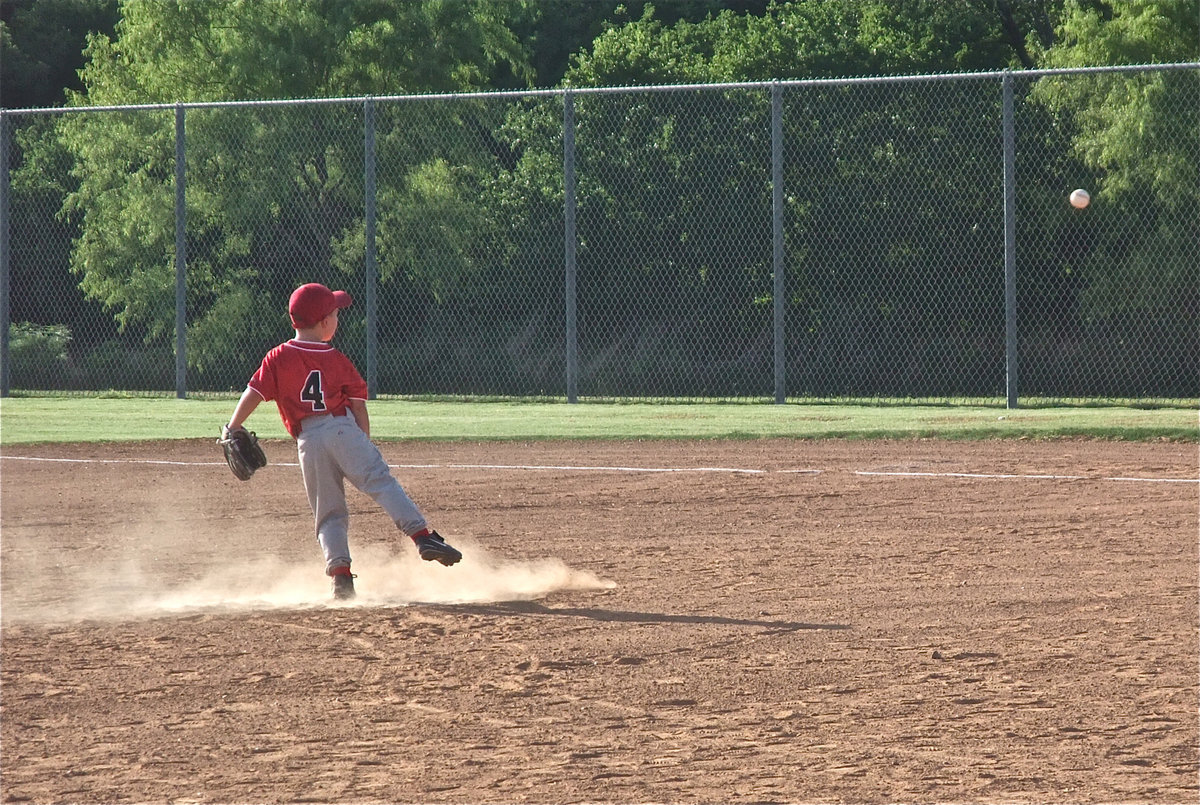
(433, 548)
(343, 587)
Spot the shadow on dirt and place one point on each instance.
(621, 616)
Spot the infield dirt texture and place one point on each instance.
(736, 621)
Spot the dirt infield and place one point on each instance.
(762, 621)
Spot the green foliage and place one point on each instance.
(1124, 32)
(1124, 129)
(42, 45)
(682, 203)
(674, 191)
(42, 287)
(1133, 135)
(428, 227)
(37, 349)
(235, 317)
(799, 40)
(122, 363)
(272, 197)
(246, 49)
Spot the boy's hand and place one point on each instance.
(242, 451)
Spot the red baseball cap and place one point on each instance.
(312, 302)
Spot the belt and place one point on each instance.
(343, 411)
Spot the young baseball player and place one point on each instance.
(322, 400)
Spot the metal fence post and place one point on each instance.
(4, 258)
(569, 244)
(777, 239)
(371, 269)
(1010, 242)
(180, 259)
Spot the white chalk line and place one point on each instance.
(622, 469)
(996, 475)
(576, 468)
(116, 461)
(1030, 477)
(527, 467)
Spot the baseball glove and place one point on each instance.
(242, 451)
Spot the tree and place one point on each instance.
(1125, 129)
(42, 44)
(675, 190)
(244, 49)
(271, 192)
(1136, 285)
(908, 152)
(41, 50)
(558, 30)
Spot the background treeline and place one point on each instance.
(672, 200)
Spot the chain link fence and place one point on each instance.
(833, 240)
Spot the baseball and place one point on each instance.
(1080, 198)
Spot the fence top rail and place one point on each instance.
(533, 93)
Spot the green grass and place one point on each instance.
(26, 420)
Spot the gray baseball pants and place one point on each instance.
(333, 449)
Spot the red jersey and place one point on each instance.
(306, 378)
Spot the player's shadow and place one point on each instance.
(622, 616)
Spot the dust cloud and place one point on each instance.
(387, 577)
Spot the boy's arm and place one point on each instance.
(359, 409)
(245, 407)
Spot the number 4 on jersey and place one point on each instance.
(312, 392)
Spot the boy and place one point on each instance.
(322, 400)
